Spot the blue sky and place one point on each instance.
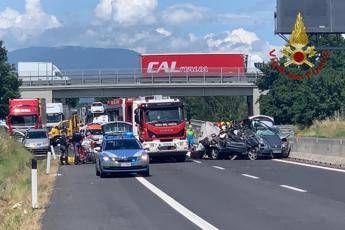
(143, 25)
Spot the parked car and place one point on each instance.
(97, 107)
(37, 141)
(121, 153)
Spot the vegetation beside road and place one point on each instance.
(9, 83)
(15, 186)
(302, 101)
(334, 128)
(215, 108)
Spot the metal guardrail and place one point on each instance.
(106, 77)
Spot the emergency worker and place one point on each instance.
(190, 136)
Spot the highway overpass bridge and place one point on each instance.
(106, 85)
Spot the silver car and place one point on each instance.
(36, 141)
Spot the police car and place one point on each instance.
(121, 153)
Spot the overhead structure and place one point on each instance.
(320, 16)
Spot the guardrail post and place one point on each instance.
(99, 77)
(117, 76)
(34, 203)
(152, 78)
(53, 152)
(204, 77)
(221, 75)
(238, 75)
(169, 77)
(134, 78)
(48, 162)
(82, 77)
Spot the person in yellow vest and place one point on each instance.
(53, 134)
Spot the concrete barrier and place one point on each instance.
(323, 150)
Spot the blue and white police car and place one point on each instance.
(121, 153)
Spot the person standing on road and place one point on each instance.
(76, 141)
(63, 148)
(190, 136)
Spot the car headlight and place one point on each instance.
(30, 145)
(261, 141)
(284, 144)
(106, 158)
(183, 143)
(145, 157)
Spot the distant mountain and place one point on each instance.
(75, 57)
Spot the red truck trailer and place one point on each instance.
(193, 64)
(26, 113)
(159, 124)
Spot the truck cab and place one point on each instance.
(160, 125)
(54, 114)
(25, 114)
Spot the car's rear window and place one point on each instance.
(36, 135)
(122, 144)
(97, 104)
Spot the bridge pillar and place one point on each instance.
(47, 94)
(253, 103)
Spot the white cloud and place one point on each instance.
(184, 13)
(163, 31)
(127, 12)
(239, 41)
(31, 23)
(230, 39)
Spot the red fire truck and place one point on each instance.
(159, 124)
(26, 113)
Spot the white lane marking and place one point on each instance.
(311, 166)
(293, 188)
(199, 162)
(250, 176)
(217, 167)
(201, 223)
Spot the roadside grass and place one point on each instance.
(15, 186)
(331, 128)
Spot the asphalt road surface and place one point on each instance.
(203, 194)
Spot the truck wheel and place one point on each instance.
(180, 158)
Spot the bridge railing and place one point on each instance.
(138, 76)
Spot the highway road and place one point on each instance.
(206, 194)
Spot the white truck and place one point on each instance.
(32, 73)
(54, 114)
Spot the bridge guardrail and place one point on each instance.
(106, 77)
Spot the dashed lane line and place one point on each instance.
(199, 162)
(250, 176)
(217, 167)
(201, 223)
(309, 165)
(293, 188)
